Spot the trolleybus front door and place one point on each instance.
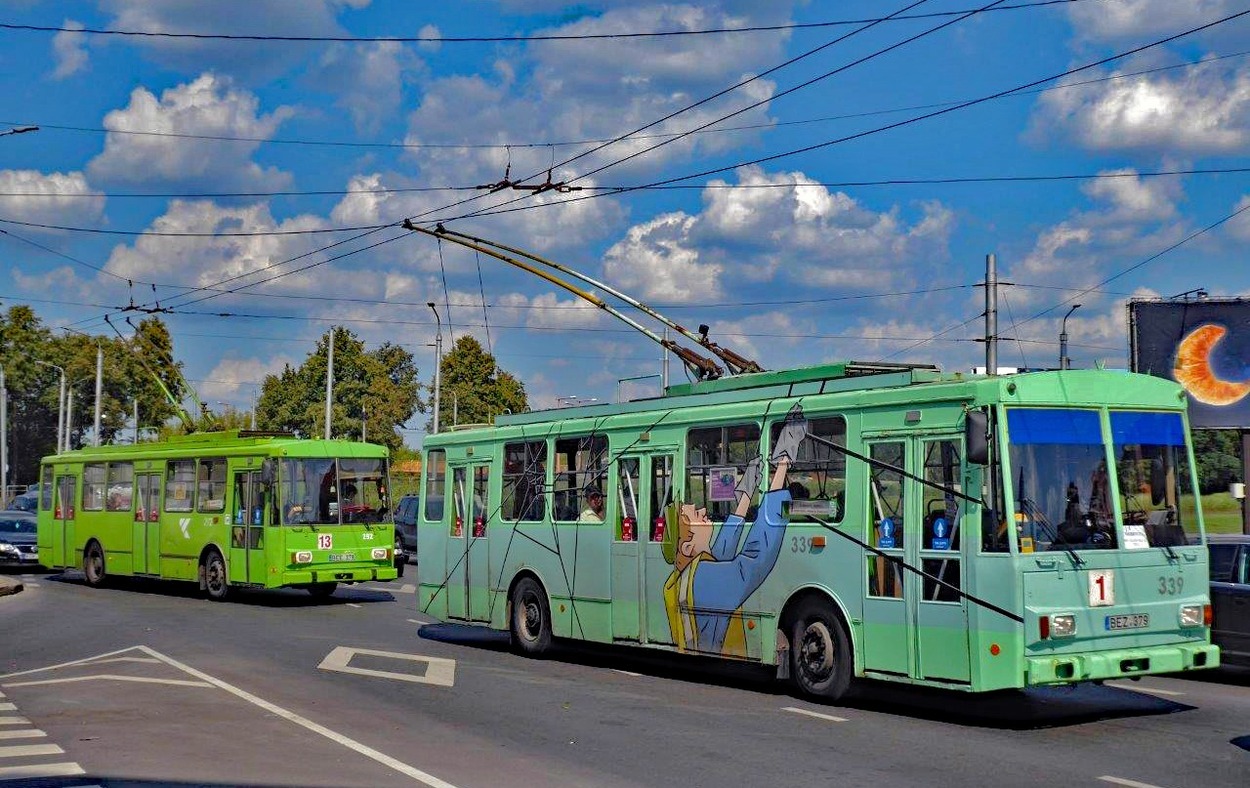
(146, 551)
(247, 529)
(643, 492)
(892, 531)
(63, 517)
(468, 547)
(941, 613)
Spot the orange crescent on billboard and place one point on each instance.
(1193, 368)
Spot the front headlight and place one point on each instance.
(7, 549)
(1063, 626)
(1191, 615)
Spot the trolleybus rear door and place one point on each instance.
(63, 518)
(888, 642)
(941, 613)
(247, 529)
(468, 547)
(146, 552)
(643, 491)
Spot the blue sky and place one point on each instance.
(783, 259)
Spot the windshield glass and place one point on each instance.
(326, 492)
(16, 526)
(1156, 497)
(1059, 473)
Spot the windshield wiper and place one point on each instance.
(1055, 537)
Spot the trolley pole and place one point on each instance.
(991, 315)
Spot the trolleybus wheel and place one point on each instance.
(531, 618)
(93, 564)
(821, 660)
(322, 590)
(215, 582)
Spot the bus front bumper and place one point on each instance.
(1120, 664)
(339, 574)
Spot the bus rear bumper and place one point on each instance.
(339, 574)
(1120, 664)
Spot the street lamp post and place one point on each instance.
(438, 362)
(1064, 361)
(60, 404)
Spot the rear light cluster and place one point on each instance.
(381, 553)
(1062, 625)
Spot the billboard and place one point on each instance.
(1205, 346)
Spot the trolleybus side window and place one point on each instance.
(818, 475)
(581, 466)
(627, 488)
(661, 494)
(885, 519)
(435, 483)
(180, 486)
(524, 477)
(943, 468)
(1156, 495)
(45, 489)
(715, 460)
(121, 478)
(93, 484)
(212, 492)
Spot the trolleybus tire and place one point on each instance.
(822, 662)
(215, 581)
(93, 564)
(531, 618)
(322, 590)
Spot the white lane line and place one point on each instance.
(352, 604)
(29, 584)
(23, 750)
(1123, 781)
(438, 671)
(627, 672)
(42, 770)
(109, 677)
(7, 707)
(1138, 688)
(69, 664)
(417, 621)
(30, 734)
(14, 721)
(143, 660)
(304, 722)
(815, 714)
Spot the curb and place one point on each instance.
(9, 586)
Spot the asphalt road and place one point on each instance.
(146, 684)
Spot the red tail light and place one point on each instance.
(1043, 626)
(1207, 616)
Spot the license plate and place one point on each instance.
(342, 556)
(1128, 621)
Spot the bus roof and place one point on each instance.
(232, 442)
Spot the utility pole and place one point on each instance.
(991, 315)
(99, 387)
(4, 440)
(60, 404)
(136, 421)
(329, 381)
(364, 425)
(438, 363)
(1064, 361)
(69, 415)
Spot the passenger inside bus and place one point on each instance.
(593, 513)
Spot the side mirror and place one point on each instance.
(977, 437)
(268, 472)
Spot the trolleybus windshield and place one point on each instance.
(328, 492)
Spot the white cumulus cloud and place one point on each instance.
(47, 198)
(70, 50)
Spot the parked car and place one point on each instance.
(26, 502)
(18, 539)
(406, 512)
(1230, 597)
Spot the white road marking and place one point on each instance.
(304, 722)
(1139, 688)
(1122, 781)
(23, 750)
(29, 584)
(417, 621)
(42, 770)
(7, 707)
(71, 663)
(352, 604)
(145, 660)
(14, 721)
(28, 734)
(110, 677)
(816, 714)
(627, 672)
(407, 588)
(439, 671)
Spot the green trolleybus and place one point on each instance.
(841, 522)
(222, 509)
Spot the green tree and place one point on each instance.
(378, 387)
(1218, 454)
(475, 387)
